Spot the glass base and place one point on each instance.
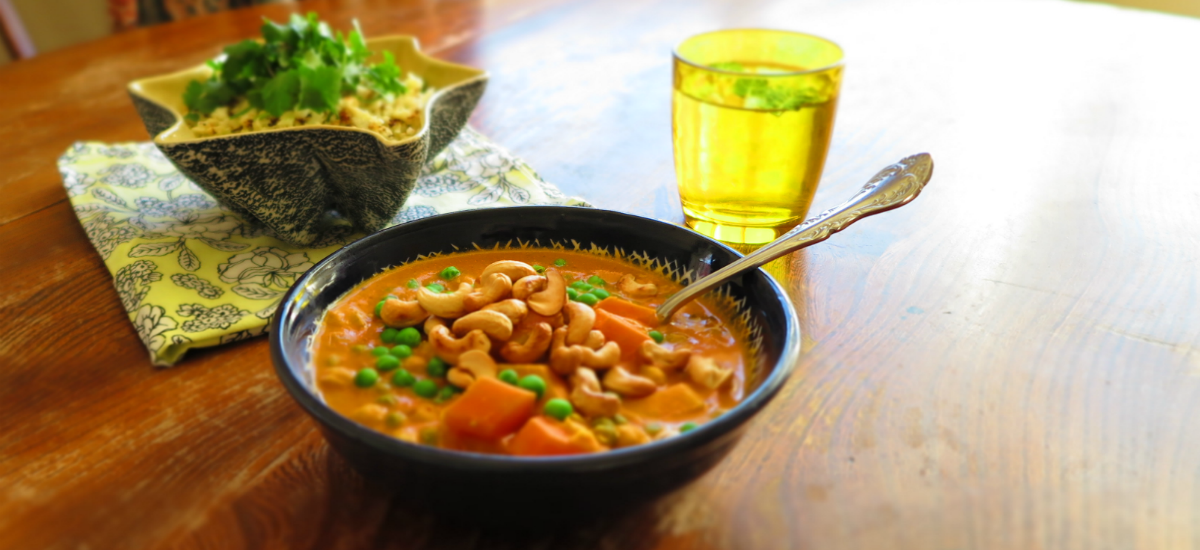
(737, 234)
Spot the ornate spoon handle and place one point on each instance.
(893, 187)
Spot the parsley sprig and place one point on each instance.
(300, 65)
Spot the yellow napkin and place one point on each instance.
(192, 274)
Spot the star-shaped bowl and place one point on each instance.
(292, 180)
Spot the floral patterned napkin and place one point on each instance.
(192, 274)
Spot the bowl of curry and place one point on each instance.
(511, 358)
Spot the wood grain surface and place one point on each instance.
(1012, 361)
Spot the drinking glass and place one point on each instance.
(752, 114)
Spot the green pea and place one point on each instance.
(425, 388)
(572, 294)
(558, 408)
(687, 427)
(509, 376)
(403, 378)
(387, 362)
(409, 337)
(653, 428)
(657, 336)
(560, 262)
(436, 287)
(379, 308)
(366, 378)
(402, 351)
(444, 394)
(359, 348)
(589, 299)
(387, 399)
(395, 419)
(618, 419)
(539, 268)
(449, 273)
(436, 367)
(379, 351)
(413, 283)
(388, 335)
(603, 422)
(606, 434)
(580, 285)
(595, 280)
(533, 383)
(601, 293)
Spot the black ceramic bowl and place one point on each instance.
(458, 480)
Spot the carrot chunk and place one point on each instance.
(629, 310)
(626, 333)
(489, 409)
(674, 402)
(544, 437)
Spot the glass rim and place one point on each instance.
(841, 61)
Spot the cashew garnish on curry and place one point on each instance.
(525, 352)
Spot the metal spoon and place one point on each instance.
(893, 187)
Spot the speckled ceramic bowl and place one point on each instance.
(474, 486)
(290, 180)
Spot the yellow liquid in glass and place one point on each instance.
(747, 173)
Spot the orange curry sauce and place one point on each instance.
(351, 329)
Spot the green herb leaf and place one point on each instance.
(280, 93)
(320, 88)
(298, 65)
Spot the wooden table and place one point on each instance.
(1012, 361)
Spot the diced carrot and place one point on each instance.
(629, 310)
(489, 409)
(626, 333)
(543, 437)
(674, 402)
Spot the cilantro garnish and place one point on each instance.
(300, 65)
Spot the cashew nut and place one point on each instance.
(549, 301)
(492, 323)
(606, 356)
(704, 371)
(402, 313)
(580, 318)
(512, 308)
(449, 348)
(664, 358)
(492, 287)
(630, 385)
(536, 342)
(629, 285)
(587, 397)
(525, 287)
(448, 305)
(565, 359)
(514, 269)
(433, 322)
(472, 365)
(595, 339)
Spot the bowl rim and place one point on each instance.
(136, 88)
(715, 429)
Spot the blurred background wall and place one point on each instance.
(52, 24)
(31, 27)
